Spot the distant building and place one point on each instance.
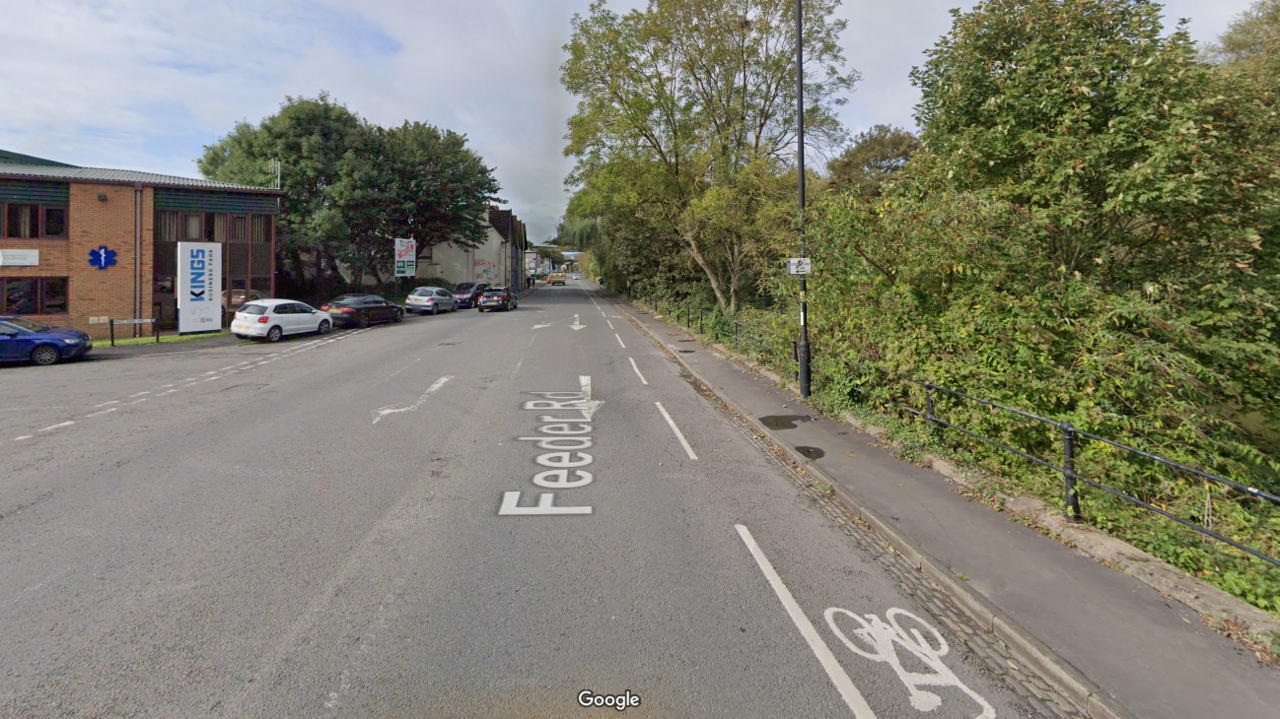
(496, 261)
(58, 222)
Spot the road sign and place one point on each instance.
(406, 258)
(132, 322)
(799, 266)
(199, 279)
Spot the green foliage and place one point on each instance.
(685, 122)
(1252, 44)
(352, 186)
(871, 160)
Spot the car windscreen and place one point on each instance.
(464, 287)
(494, 293)
(28, 325)
(252, 309)
(345, 299)
(424, 291)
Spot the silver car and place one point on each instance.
(430, 301)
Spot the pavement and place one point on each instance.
(471, 515)
(1108, 641)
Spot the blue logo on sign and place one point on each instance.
(197, 277)
(102, 258)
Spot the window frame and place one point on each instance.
(39, 296)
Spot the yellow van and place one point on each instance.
(556, 278)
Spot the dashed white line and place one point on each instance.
(637, 369)
(25, 436)
(104, 404)
(165, 386)
(139, 401)
(679, 435)
(139, 394)
(610, 324)
(99, 414)
(615, 334)
(852, 697)
(212, 371)
(68, 423)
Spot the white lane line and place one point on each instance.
(637, 369)
(189, 379)
(210, 379)
(25, 436)
(679, 435)
(852, 697)
(99, 414)
(165, 386)
(212, 372)
(381, 412)
(139, 394)
(104, 404)
(68, 423)
(139, 401)
(517, 369)
(224, 369)
(610, 325)
(615, 334)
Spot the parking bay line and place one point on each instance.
(637, 369)
(679, 435)
(852, 697)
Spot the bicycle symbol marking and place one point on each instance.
(880, 642)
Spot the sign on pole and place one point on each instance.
(406, 258)
(799, 266)
(199, 286)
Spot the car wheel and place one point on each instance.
(362, 320)
(274, 334)
(45, 355)
(324, 327)
(399, 315)
(435, 309)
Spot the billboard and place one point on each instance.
(199, 286)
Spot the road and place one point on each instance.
(471, 515)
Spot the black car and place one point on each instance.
(468, 293)
(498, 298)
(362, 310)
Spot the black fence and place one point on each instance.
(1071, 437)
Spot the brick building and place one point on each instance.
(57, 220)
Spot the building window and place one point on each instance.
(22, 221)
(55, 222)
(33, 296)
(191, 228)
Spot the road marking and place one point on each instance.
(68, 423)
(852, 697)
(210, 379)
(576, 325)
(928, 647)
(637, 369)
(610, 324)
(25, 436)
(615, 334)
(679, 435)
(104, 404)
(99, 414)
(381, 412)
(139, 394)
(224, 369)
(212, 372)
(189, 379)
(517, 369)
(139, 401)
(165, 386)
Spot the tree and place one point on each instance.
(690, 94)
(873, 158)
(1252, 44)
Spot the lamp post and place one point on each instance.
(804, 320)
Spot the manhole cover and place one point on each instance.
(778, 421)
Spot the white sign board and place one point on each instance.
(406, 258)
(799, 266)
(19, 258)
(199, 286)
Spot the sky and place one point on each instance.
(145, 84)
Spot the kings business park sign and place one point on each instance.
(199, 286)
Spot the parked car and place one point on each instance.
(362, 310)
(23, 340)
(466, 293)
(273, 319)
(238, 298)
(430, 300)
(498, 298)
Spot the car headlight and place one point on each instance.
(71, 341)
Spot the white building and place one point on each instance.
(491, 262)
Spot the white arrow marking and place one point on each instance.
(378, 414)
(588, 405)
(576, 326)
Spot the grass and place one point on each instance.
(164, 339)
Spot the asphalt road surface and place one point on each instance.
(470, 515)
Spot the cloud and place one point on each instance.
(144, 84)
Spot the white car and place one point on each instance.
(430, 300)
(273, 319)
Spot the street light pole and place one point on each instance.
(804, 320)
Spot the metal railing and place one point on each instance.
(1071, 437)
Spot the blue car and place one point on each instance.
(22, 340)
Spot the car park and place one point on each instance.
(498, 298)
(430, 301)
(362, 310)
(273, 319)
(24, 340)
(467, 293)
